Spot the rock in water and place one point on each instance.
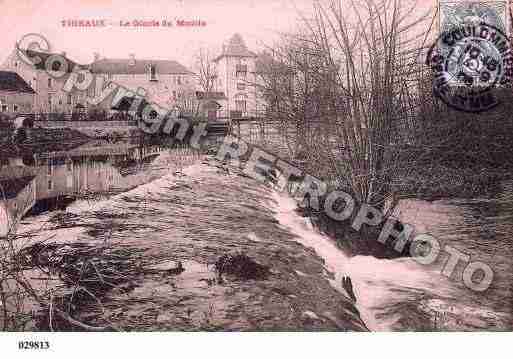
(240, 266)
(348, 286)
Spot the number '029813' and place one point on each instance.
(34, 345)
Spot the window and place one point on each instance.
(50, 99)
(174, 95)
(4, 108)
(69, 181)
(70, 99)
(49, 167)
(91, 89)
(241, 70)
(178, 80)
(50, 185)
(153, 73)
(240, 105)
(211, 114)
(49, 83)
(15, 108)
(241, 86)
(69, 166)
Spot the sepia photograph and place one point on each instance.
(275, 167)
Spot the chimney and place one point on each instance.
(132, 59)
(96, 56)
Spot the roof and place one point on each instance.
(11, 81)
(13, 179)
(43, 56)
(236, 47)
(14, 172)
(200, 95)
(140, 66)
(113, 66)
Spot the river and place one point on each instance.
(403, 295)
(397, 294)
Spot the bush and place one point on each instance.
(77, 116)
(5, 122)
(96, 114)
(28, 122)
(58, 116)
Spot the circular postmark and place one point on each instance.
(469, 62)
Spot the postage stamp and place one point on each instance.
(454, 14)
(469, 62)
(471, 58)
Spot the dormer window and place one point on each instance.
(153, 73)
(131, 60)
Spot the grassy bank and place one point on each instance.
(442, 182)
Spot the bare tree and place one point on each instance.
(353, 69)
(205, 69)
(206, 77)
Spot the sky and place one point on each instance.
(258, 21)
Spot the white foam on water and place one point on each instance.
(336, 261)
(372, 278)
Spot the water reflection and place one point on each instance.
(57, 178)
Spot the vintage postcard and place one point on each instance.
(255, 166)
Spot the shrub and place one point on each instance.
(5, 122)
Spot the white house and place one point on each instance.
(236, 78)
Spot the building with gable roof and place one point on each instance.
(16, 95)
(49, 94)
(165, 82)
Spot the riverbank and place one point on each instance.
(192, 220)
(37, 140)
(431, 183)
